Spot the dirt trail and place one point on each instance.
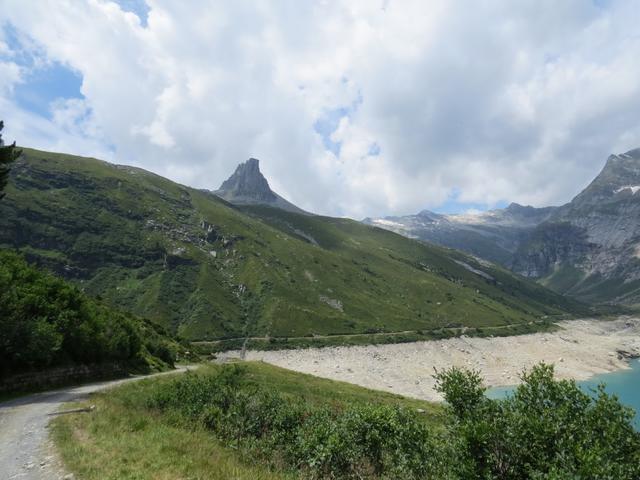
(25, 450)
(582, 348)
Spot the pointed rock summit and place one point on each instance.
(247, 186)
(247, 183)
(619, 180)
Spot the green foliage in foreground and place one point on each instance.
(124, 439)
(357, 441)
(547, 430)
(48, 322)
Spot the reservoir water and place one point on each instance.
(624, 383)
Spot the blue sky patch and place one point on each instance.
(374, 150)
(139, 7)
(43, 81)
(42, 86)
(452, 205)
(328, 123)
(602, 3)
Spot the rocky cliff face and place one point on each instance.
(247, 182)
(549, 247)
(589, 248)
(247, 186)
(600, 259)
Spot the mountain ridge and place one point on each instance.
(208, 270)
(587, 247)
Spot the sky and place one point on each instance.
(354, 107)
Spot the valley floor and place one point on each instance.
(581, 349)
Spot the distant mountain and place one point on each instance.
(247, 186)
(494, 235)
(588, 248)
(205, 269)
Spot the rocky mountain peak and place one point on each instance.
(247, 181)
(517, 208)
(429, 215)
(247, 186)
(624, 162)
(620, 173)
(635, 153)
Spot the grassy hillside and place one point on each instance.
(207, 270)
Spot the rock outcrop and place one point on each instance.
(247, 186)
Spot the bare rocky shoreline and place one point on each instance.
(581, 349)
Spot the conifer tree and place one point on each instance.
(8, 153)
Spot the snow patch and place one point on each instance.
(633, 188)
(389, 223)
(469, 217)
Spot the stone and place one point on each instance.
(247, 186)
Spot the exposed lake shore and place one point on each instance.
(580, 350)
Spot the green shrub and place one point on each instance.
(46, 321)
(364, 441)
(548, 429)
(160, 349)
(361, 441)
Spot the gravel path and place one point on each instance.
(26, 452)
(582, 348)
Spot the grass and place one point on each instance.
(121, 439)
(318, 390)
(118, 443)
(147, 244)
(207, 348)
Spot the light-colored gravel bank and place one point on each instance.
(582, 348)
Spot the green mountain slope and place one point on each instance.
(206, 269)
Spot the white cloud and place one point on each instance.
(10, 74)
(499, 100)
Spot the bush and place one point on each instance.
(161, 349)
(364, 441)
(547, 430)
(46, 321)
(361, 441)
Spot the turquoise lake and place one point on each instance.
(624, 383)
